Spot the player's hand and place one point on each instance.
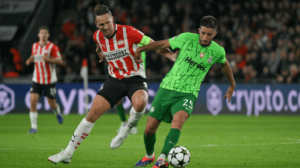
(100, 55)
(28, 61)
(175, 55)
(229, 93)
(138, 56)
(45, 58)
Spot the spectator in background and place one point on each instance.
(69, 26)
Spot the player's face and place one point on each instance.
(106, 24)
(43, 35)
(206, 35)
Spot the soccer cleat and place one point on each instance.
(118, 140)
(145, 161)
(60, 157)
(59, 118)
(31, 131)
(161, 164)
(134, 130)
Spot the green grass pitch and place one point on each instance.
(229, 141)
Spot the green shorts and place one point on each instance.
(168, 102)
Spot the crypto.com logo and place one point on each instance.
(7, 99)
(214, 100)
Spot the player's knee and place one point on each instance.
(139, 105)
(149, 132)
(33, 102)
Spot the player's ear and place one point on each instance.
(199, 30)
(112, 19)
(215, 33)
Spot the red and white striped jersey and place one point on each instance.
(120, 50)
(44, 72)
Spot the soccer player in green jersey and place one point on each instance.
(179, 89)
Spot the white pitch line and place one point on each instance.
(209, 145)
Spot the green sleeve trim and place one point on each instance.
(143, 56)
(145, 40)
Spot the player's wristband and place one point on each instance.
(145, 40)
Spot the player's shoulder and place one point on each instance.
(96, 32)
(53, 45)
(188, 35)
(126, 26)
(217, 48)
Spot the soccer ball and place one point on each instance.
(179, 156)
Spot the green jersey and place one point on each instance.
(192, 63)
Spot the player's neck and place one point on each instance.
(112, 35)
(204, 45)
(42, 43)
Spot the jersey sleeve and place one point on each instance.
(95, 37)
(134, 35)
(222, 57)
(177, 41)
(55, 52)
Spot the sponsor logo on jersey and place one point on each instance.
(201, 55)
(102, 45)
(7, 99)
(214, 101)
(120, 42)
(116, 55)
(192, 63)
(210, 59)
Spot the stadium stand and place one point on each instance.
(261, 38)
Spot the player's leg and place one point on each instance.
(149, 141)
(181, 110)
(139, 101)
(106, 98)
(50, 93)
(99, 106)
(35, 92)
(33, 114)
(121, 113)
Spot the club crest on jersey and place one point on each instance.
(210, 59)
(201, 55)
(102, 45)
(120, 42)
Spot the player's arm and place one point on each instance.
(30, 60)
(56, 61)
(55, 56)
(226, 69)
(154, 46)
(100, 53)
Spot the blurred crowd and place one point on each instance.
(261, 37)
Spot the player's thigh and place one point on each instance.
(161, 106)
(112, 92)
(50, 90)
(99, 106)
(184, 103)
(151, 126)
(137, 92)
(35, 91)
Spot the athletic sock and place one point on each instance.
(149, 144)
(57, 110)
(121, 112)
(171, 141)
(33, 119)
(82, 131)
(133, 119)
(162, 156)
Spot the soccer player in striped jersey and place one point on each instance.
(45, 55)
(117, 43)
